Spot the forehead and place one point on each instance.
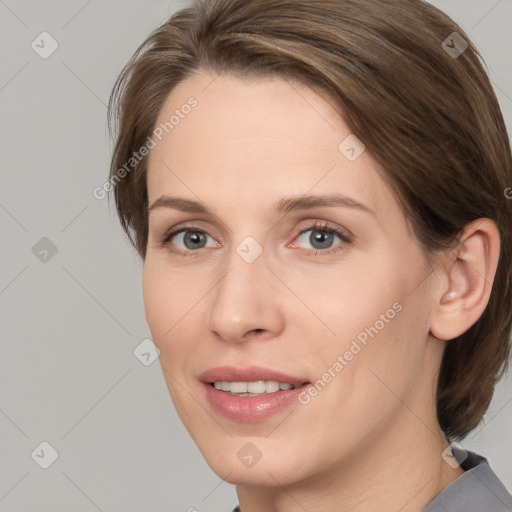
(262, 138)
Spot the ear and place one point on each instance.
(467, 278)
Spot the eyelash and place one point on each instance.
(316, 226)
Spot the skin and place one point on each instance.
(370, 439)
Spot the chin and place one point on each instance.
(264, 475)
(252, 461)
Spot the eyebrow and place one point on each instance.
(283, 205)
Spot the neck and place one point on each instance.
(401, 470)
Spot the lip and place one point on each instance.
(249, 374)
(250, 409)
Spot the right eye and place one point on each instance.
(187, 238)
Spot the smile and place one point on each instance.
(254, 388)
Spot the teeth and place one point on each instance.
(271, 386)
(255, 388)
(238, 387)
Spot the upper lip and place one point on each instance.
(248, 374)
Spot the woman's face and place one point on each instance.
(291, 263)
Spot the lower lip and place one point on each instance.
(251, 409)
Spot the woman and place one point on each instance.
(317, 190)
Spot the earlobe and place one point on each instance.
(469, 275)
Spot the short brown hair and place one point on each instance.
(429, 118)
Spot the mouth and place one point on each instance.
(253, 388)
(250, 394)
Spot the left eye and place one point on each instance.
(320, 238)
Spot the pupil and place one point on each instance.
(193, 239)
(321, 239)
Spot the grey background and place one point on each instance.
(69, 325)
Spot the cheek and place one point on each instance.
(169, 310)
(377, 318)
(355, 300)
(383, 356)
(168, 303)
(154, 301)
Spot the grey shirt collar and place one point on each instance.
(477, 490)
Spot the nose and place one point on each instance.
(246, 303)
